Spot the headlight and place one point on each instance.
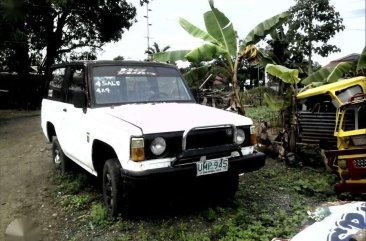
(240, 136)
(158, 146)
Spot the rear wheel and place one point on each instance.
(60, 161)
(114, 194)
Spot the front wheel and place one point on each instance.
(112, 187)
(60, 161)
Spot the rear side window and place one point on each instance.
(55, 87)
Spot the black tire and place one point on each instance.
(60, 162)
(231, 182)
(113, 187)
(226, 186)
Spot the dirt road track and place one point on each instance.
(26, 187)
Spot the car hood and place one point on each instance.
(169, 117)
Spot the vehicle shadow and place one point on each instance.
(160, 199)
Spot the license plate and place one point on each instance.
(212, 166)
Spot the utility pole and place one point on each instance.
(148, 24)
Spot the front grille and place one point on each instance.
(201, 138)
(198, 138)
(360, 163)
(209, 137)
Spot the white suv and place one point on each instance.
(130, 121)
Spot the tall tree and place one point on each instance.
(61, 26)
(312, 24)
(119, 57)
(13, 39)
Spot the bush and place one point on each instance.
(255, 97)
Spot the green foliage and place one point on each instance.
(318, 76)
(170, 55)
(260, 113)
(272, 103)
(119, 57)
(339, 71)
(255, 96)
(196, 76)
(99, 215)
(361, 64)
(76, 202)
(329, 75)
(220, 43)
(221, 28)
(271, 202)
(71, 184)
(289, 76)
(89, 24)
(264, 28)
(312, 24)
(314, 187)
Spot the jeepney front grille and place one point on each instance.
(360, 163)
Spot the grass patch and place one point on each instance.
(271, 202)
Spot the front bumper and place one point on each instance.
(238, 164)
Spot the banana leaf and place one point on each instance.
(221, 28)
(205, 52)
(264, 28)
(318, 76)
(361, 65)
(196, 32)
(289, 76)
(264, 58)
(339, 71)
(170, 55)
(196, 74)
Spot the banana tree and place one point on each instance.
(221, 41)
(329, 75)
(291, 77)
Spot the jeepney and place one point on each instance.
(348, 161)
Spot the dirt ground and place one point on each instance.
(26, 175)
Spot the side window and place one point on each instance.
(76, 82)
(55, 87)
(349, 120)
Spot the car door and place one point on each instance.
(75, 123)
(55, 102)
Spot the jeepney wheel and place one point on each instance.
(61, 162)
(113, 187)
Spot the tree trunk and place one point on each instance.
(235, 98)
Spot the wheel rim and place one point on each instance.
(108, 188)
(57, 158)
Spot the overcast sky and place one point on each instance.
(245, 15)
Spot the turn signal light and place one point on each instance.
(253, 136)
(137, 149)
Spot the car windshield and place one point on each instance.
(138, 84)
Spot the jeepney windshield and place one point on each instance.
(138, 84)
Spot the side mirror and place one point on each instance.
(79, 99)
(196, 94)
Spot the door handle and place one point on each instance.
(65, 110)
